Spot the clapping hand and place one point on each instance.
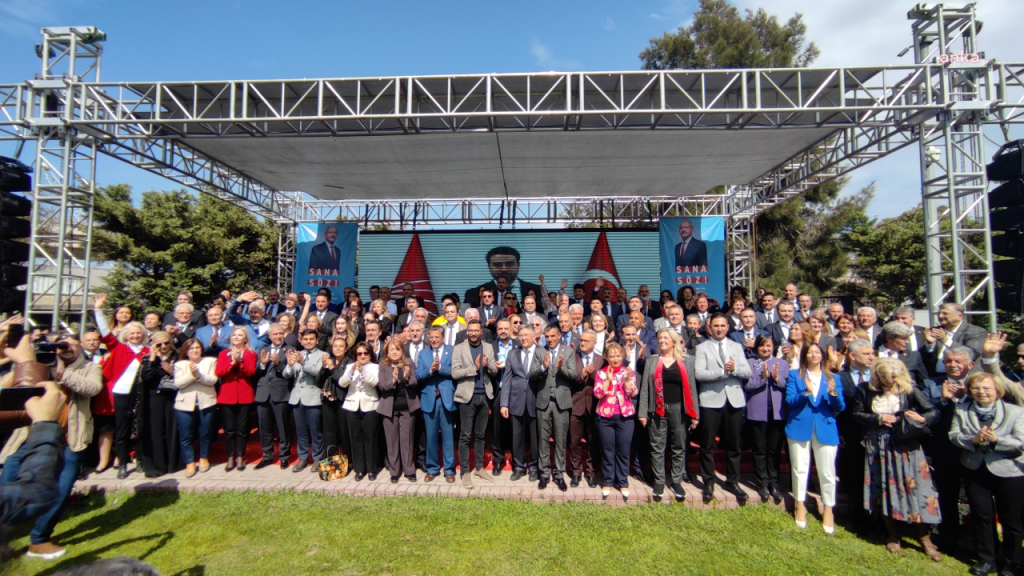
(435, 365)
(764, 370)
(951, 390)
(775, 372)
(832, 388)
(329, 363)
(213, 338)
(264, 356)
(477, 361)
(547, 361)
(730, 366)
(483, 360)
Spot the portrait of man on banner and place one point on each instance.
(690, 251)
(693, 254)
(325, 257)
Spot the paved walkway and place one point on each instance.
(273, 478)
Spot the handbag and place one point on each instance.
(906, 431)
(334, 466)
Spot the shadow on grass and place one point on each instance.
(137, 506)
(159, 541)
(198, 570)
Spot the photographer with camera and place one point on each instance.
(29, 487)
(79, 380)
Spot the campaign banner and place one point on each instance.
(325, 257)
(693, 253)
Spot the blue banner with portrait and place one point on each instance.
(325, 257)
(693, 253)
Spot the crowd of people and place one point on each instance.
(572, 388)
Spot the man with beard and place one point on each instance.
(503, 262)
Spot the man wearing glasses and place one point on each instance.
(515, 323)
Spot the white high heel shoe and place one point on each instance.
(830, 530)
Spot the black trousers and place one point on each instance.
(730, 420)
(362, 428)
(501, 433)
(123, 427)
(336, 427)
(474, 427)
(160, 440)
(982, 486)
(275, 415)
(947, 475)
(767, 438)
(524, 428)
(235, 420)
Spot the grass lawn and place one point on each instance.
(304, 533)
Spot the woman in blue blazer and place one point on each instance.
(814, 401)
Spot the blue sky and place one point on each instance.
(189, 40)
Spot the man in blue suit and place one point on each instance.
(216, 334)
(691, 251)
(434, 373)
(325, 255)
(748, 332)
(254, 323)
(524, 370)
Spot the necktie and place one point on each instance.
(437, 355)
(586, 360)
(721, 351)
(565, 337)
(861, 379)
(682, 249)
(330, 248)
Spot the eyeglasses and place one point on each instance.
(514, 323)
(358, 354)
(160, 344)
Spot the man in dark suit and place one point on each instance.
(604, 292)
(636, 353)
(635, 304)
(486, 334)
(905, 315)
(182, 326)
(272, 393)
(411, 303)
(690, 251)
(490, 312)
(322, 302)
(895, 343)
(645, 333)
(780, 330)
(524, 370)
(581, 417)
(325, 255)
(501, 429)
(861, 356)
(569, 337)
(184, 297)
(867, 320)
(503, 262)
(748, 332)
(768, 314)
(415, 343)
(953, 330)
(554, 402)
(578, 295)
(649, 307)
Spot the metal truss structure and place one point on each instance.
(864, 113)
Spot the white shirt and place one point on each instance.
(632, 357)
(528, 357)
(770, 315)
(261, 327)
(884, 352)
(392, 308)
(416, 349)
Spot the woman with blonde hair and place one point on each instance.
(615, 386)
(387, 321)
(313, 322)
(196, 379)
(287, 321)
(991, 433)
(669, 408)
(897, 481)
(235, 368)
(799, 334)
(343, 329)
(814, 400)
(158, 433)
(605, 334)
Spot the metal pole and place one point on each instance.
(930, 160)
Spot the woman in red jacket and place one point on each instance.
(235, 367)
(119, 375)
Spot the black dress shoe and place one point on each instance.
(735, 490)
(517, 475)
(372, 476)
(230, 465)
(122, 471)
(708, 493)
(534, 476)
(302, 465)
(284, 463)
(241, 465)
(542, 484)
(360, 476)
(496, 470)
(575, 481)
(263, 464)
(764, 494)
(411, 478)
(686, 478)
(657, 492)
(560, 482)
(592, 481)
(983, 569)
(678, 491)
(777, 494)
(394, 479)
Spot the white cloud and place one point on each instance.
(607, 23)
(546, 59)
(655, 17)
(25, 18)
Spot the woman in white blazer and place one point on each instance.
(360, 378)
(196, 401)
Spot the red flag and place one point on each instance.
(414, 271)
(602, 264)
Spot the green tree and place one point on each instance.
(718, 37)
(802, 239)
(177, 241)
(890, 259)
